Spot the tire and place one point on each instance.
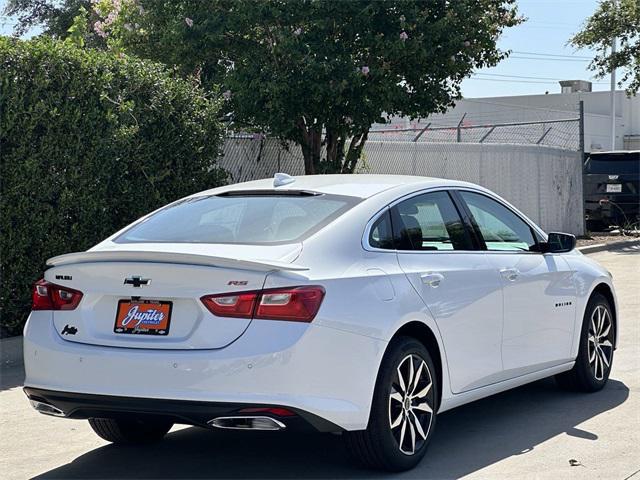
(595, 354)
(393, 411)
(130, 431)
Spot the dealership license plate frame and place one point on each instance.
(156, 332)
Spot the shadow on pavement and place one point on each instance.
(11, 365)
(11, 375)
(627, 250)
(466, 439)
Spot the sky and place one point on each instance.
(540, 55)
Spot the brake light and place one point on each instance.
(49, 296)
(294, 304)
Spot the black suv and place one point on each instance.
(612, 190)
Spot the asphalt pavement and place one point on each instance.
(536, 431)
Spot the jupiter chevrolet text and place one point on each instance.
(358, 304)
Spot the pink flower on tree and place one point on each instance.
(297, 32)
(365, 70)
(189, 22)
(404, 35)
(98, 27)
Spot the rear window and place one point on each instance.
(619, 164)
(265, 219)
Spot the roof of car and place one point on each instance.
(355, 185)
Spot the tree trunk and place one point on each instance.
(311, 144)
(355, 151)
(337, 160)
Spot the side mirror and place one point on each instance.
(558, 243)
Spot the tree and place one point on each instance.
(89, 142)
(318, 72)
(614, 19)
(55, 17)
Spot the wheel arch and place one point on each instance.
(421, 332)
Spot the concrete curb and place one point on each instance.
(601, 247)
(11, 351)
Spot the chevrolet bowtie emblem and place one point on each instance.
(137, 281)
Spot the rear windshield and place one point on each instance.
(265, 219)
(614, 164)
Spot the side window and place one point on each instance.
(501, 229)
(381, 235)
(429, 222)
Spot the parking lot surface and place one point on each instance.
(536, 431)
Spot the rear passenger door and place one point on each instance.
(539, 303)
(457, 283)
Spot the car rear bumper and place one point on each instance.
(83, 406)
(321, 371)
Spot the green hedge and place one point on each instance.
(89, 141)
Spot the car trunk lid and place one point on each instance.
(169, 282)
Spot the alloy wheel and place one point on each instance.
(599, 344)
(411, 403)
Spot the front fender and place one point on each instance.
(587, 276)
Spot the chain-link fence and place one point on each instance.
(250, 157)
(489, 122)
(562, 133)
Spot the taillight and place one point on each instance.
(49, 296)
(294, 304)
(239, 305)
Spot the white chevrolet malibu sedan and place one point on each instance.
(358, 304)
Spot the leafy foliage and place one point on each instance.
(318, 71)
(54, 16)
(90, 141)
(620, 19)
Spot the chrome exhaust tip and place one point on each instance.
(247, 423)
(46, 408)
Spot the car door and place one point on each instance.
(539, 295)
(461, 289)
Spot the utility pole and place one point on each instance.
(613, 96)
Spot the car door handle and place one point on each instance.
(510, 274)
(432, 279)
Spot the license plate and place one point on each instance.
(143, 317)
(614, 188)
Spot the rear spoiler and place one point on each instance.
(170, 257)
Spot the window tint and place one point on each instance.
(250, 219)
(500, 227)
(615, 164)
(429, 222)
(381, 235)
